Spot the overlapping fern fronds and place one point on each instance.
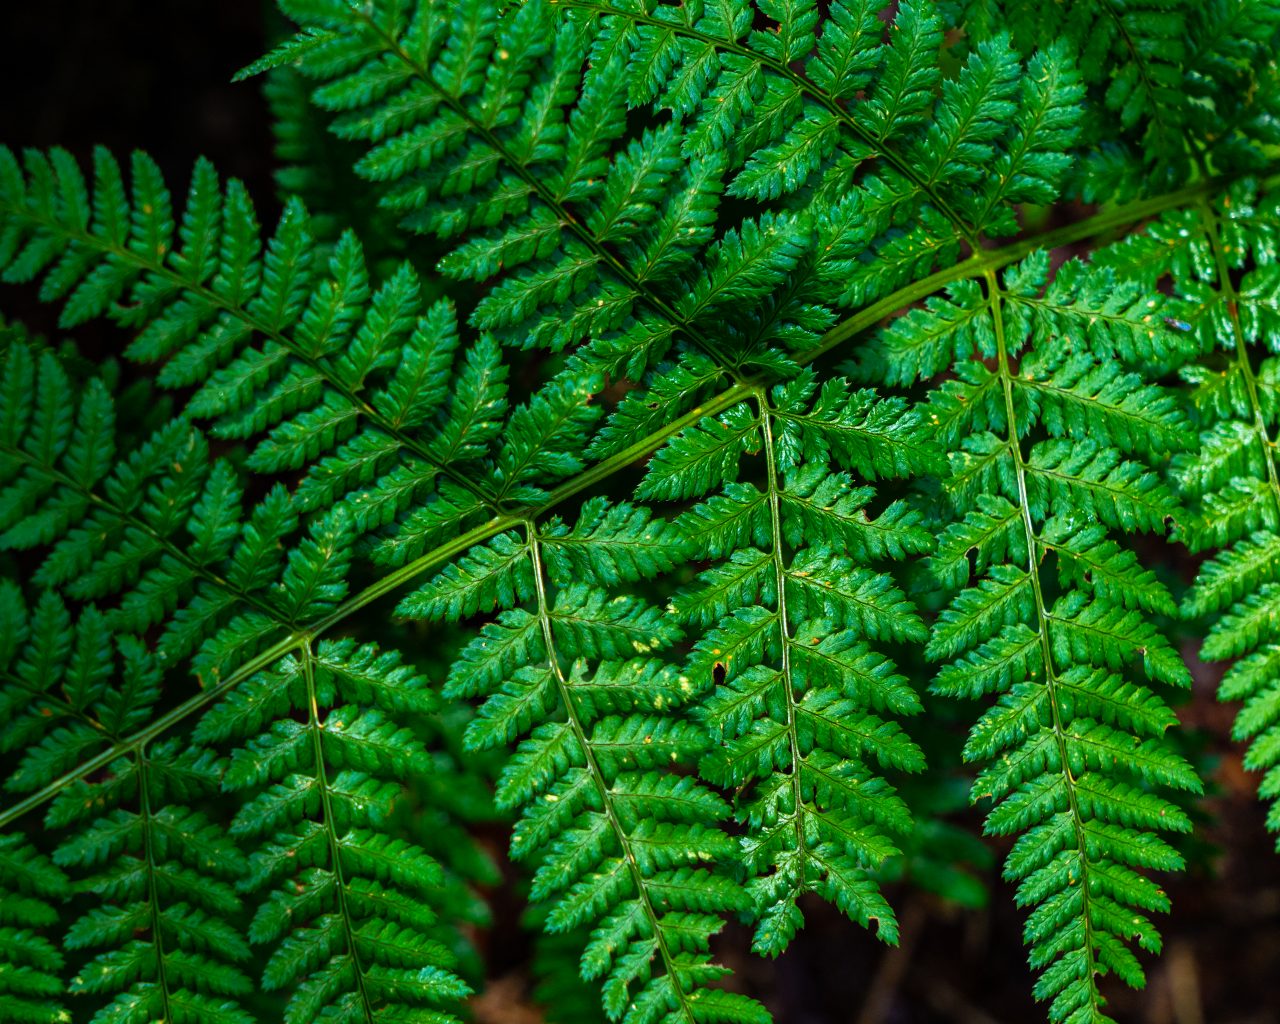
(657, 218)
(511, 136)
(154, 554)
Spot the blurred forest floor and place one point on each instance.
(155, 74)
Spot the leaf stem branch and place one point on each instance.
(597, 774)
(316, 728)
(1043, 619)
(784, 630)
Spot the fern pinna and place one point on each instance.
(652, 557)
(1220, 258)
(620, 841)
(349, 906)
(83, 697)
(788, 611)
(1051, 441)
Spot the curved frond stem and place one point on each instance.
(316, 728)
(900, 164)
(778, 556)
(1042, 630)
(381, 588)
(540, 189)
(153, 895)
(597, 775)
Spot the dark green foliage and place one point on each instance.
(317, 167)
(1225, 271)
(1162, 72)
(163, 943)
(560, 992)
(665, 581)
(302, 356)
(159, 544)
(30, 888)
(347, 906)
(495, 133)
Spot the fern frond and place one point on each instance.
(1035, 488)
(29, 886)
(360, 385)
(320, 367)
(493, 133)
(346, 906)
(800, 689)
(160, 544)
(620, 842)
(659, 215)
(1159, 73)
(1233, 483)
(161, 534)
(510, 157)
(164, 942)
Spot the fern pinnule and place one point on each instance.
(167, 932)
(338, 375)
(30, 885)
(152, 535)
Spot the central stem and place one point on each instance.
(1033, 543)
(316, 728)
(153, 894)
(597, 774)
(784, 628)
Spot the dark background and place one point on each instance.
(155, 74)
(136, 74)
